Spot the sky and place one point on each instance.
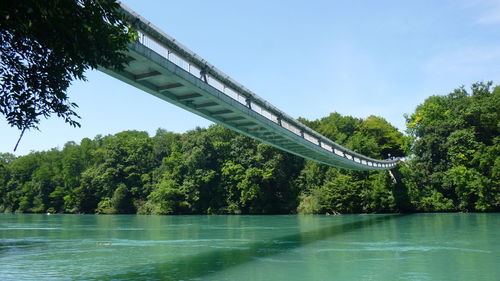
(308, 58)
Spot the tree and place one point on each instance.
(203, 171)
(122, 200)
(44, 45)
(457, 146)
(389, 140)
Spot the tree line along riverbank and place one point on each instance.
(453, 164)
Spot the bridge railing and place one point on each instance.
(167, 47)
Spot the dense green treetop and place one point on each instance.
(456, 142)
(212, 170)
(453, 141)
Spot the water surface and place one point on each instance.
(348, 247)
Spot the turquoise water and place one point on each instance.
(348, 247)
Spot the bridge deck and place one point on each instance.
(164, 68)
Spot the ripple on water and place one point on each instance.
(403, 249)
(254, 248)
(15, 228)
(130, 242)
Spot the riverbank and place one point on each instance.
(453, 139)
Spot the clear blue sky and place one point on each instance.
(309, 58)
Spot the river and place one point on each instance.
(449, 246)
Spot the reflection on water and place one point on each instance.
(350, 247)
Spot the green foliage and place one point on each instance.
(167, 198)
(456, 147)
(44, 45)
(106, 206)
(204, 171)
(454, 166)
(434, 201)
(331, 190)
(122, 200)
(388, 139)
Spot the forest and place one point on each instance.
(451, 148)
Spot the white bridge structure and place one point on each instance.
(161, 66)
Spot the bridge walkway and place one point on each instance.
(161, 66)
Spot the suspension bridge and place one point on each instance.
(161, 66)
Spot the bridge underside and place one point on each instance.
(153, 73)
